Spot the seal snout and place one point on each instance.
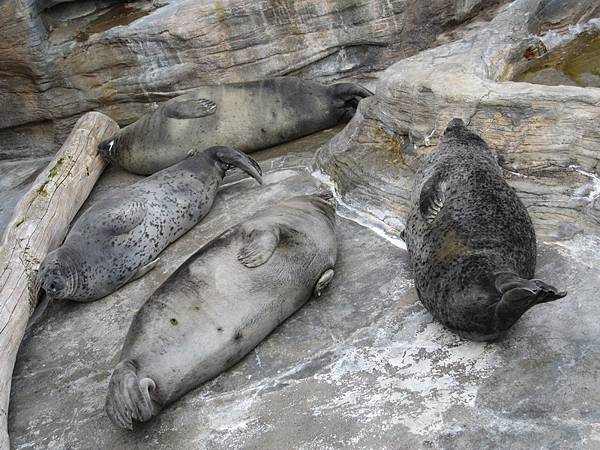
(58, 276)
(54, 285)
(54, 282)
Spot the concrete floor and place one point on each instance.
(364, 366)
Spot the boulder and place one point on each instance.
(546, 137)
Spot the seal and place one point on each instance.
(471, 243)
(119, 238)
(221, 303)
(249, 116)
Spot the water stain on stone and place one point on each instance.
(576, 64)
(391, 142)
(115, 16)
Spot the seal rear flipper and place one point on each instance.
(519, 295)
(189, 109)
(350, 92)
(128, 398)
(347, 96)
(432, 197)
(231, 157)
(258, 245)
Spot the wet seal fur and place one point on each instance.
(119, 238)
(249, 116)
(470, 240)
(221, 303)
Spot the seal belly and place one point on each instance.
(221, 303)
(212, 312)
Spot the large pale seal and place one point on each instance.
(119, 238)
(221, 303)
(470, 240)
(248, 116)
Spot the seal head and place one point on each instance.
(58, 275)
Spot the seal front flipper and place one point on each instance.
(432, 197)
(258, 245)
(189, 109)
(145, 269)
(323, 282)
(518, 295)
(124, 219)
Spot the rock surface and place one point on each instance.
(364, 366)
(61, 59)
(546, 137)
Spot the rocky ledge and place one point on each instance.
(546, 137)
(364, 366)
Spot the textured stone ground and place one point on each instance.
(364, 366)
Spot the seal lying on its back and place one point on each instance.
(470, 240)
(221, 303)
(120, 237)
(249, 116)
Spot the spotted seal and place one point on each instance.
(249, 116)
(119, 238)
(223, 301)
(470, 240)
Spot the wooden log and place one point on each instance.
(39, 224)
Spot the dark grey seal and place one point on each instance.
(221, 303)
(470, 240)
(249, 116)
(119, 238)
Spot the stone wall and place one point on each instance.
(61, 59)
(546, 137)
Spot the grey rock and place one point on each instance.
(17, 177)
(363, 366)
(546, 137)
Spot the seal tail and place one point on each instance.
(519, 295)
(128, 397)
(231, 157)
